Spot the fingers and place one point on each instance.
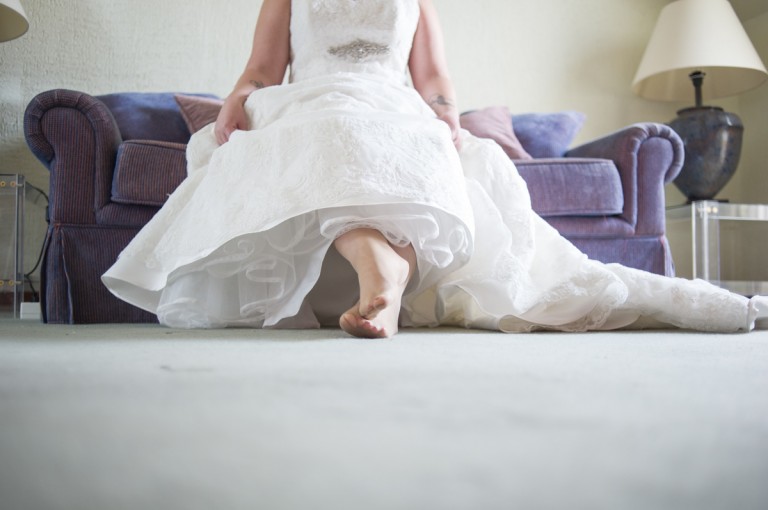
(232, 117)
(225, 126)
(222, 135)
(455, 136)
(452, 120)
(456, 133)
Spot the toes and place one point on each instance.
(360, 327)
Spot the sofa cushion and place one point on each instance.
(573, 186)
(147, 172)
(494, 123)
(547, 135)
(147, 116)
(198, 111)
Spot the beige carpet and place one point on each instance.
(142, 417)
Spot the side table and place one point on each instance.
(707, 221)
(11, 244)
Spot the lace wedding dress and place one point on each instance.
(246, 240)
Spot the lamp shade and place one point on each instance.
(698, 35)
(13, 20)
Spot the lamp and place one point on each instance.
(699, 48)
(13, 20)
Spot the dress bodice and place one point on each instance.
(361, 36)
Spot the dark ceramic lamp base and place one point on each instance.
(712, 139)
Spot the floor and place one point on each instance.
(143, 417)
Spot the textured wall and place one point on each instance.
(102, 46)
(531, 56)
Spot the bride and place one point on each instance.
(347, 197)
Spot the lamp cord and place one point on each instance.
(28, 275)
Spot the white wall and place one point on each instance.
(753, 109)
(546, 55)
(551, 55)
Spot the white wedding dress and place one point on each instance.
(246, 239)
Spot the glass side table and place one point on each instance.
(11, 244)
(741, 230)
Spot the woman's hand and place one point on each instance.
(231, 118)
(446, 111)
(453, 123)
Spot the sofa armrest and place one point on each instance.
(75, 136)
(647, 155)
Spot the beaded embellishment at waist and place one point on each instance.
(359, 50)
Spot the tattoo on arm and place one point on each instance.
(440, 100)
(257, 84)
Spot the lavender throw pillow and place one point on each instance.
(547, 135)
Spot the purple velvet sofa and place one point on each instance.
(114, 159)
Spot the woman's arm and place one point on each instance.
(266, 66)
(429, 70)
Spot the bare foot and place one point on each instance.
(383, 272)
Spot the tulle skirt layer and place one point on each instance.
(261, 279)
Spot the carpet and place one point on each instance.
(144, 417)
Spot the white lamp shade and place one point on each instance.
(698, 35)
(13, 20)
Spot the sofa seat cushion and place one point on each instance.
(147, 172)
(592, 227)
(573, 186)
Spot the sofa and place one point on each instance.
(114, 159)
